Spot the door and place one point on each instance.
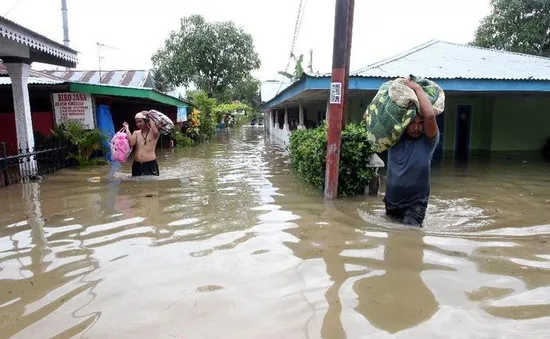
(463, 124)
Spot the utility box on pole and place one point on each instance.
(343, 28)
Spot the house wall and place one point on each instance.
(481, 123)
(124, 110)
(520, 123)
(498, 124)
(42, 122)
(357, 107)
(312, 112)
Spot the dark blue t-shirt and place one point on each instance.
(408, 173)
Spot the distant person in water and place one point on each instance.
(145, 141)
(408, 174)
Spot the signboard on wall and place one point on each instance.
(182, 114)
(74, 107)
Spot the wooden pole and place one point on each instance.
(343, 27)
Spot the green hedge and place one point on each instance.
(308, 150)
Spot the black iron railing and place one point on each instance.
(31, 164)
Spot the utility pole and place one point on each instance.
(65, 23)
(343, 27)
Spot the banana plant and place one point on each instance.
(298, 69)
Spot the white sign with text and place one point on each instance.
(74, 107)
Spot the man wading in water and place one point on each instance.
(145, 141)
(408, 174)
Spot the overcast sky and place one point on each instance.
(137, 28)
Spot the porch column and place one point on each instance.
(18, 70)
(301, 117)
(285, 123)
(269, 122)
(276, 124)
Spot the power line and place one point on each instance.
(297, 25)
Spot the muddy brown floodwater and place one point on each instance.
(228, 243)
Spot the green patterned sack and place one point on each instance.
(394, 107)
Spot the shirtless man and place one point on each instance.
(145, 141)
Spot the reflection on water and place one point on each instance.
(228, 243)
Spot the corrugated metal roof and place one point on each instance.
(132, 78)
(444, 60)
(4, 81)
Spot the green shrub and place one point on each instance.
(180, 139)
(207, 116)
(308, 152)
(83, 144)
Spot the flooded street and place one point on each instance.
(228, 243)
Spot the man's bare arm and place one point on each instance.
(129, 135)
(154, 128)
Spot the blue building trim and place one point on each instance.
(451, 85)
(289, 92)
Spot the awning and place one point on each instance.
(129, 92)
(37, 47)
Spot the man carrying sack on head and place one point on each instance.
(408, 175)
(402, 120)
(145, 142)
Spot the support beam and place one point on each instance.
(301, 116)
(285, 121)
(10, 48)
(19, 74)
(343, 25)
(271, 120)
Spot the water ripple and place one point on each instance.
(227, 240)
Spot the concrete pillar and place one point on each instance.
(285, 123)
(269, 122)
(301, 117)
(19, 73)
(328, 110)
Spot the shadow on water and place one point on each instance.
(228, 240)
(393, 297)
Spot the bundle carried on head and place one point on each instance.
(164, 123)
(394, 107)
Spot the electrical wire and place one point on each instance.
(297, 26)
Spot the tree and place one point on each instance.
(213, 56)
(521, 26)
(246, 91)
(161, 84)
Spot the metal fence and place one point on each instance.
(31, 164)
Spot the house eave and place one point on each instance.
(41, 48)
